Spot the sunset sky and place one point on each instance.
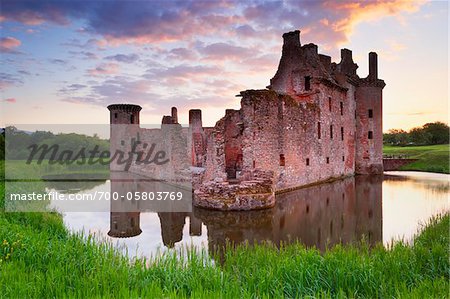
(65, 61)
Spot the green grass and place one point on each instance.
(432, 158)
(18, 169)
(46, 261)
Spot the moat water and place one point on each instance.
(379, 209)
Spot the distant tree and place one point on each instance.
(18, 142)
(39, 136)
(419, 136)
(15, 141)
(2, 146)
(428, 134)
(438, 132)
(396, 137)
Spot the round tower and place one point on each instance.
(124, 114)
(124, 128)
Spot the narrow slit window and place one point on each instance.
(282, 160)
(307, 161)
(370, 135)
(342, 108)
(254, 164)
(318, 130)
(132, 119)
(343, 159)
(115, 115)
(328, 160)
(342, 133)
(307, 83)
(331, 131)
(329, 103)
(370, 113)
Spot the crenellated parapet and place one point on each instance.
(317, 121)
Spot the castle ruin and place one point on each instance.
(316, 121)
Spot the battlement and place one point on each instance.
(124, 107)
(301, 67)
(316, 121)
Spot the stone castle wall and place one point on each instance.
(316, 121)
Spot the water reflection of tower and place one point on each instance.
(124, 214)
(172, 224)
(370, 214)
(124, 224)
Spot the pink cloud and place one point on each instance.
(10, 100)
(353, 12)
(9, 44)
(220, 51)
(166, 21)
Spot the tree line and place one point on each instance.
(18, 141)
(428, 134)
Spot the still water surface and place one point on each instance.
(378, 208)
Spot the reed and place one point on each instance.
(49, 262)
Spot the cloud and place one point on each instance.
(194, 53)
(353, 12)
(58, 61)
(121, 22)
(37, 12)
(261, 63)
(23, 72)
(182, 54)
(246, 31)
(183, 75)
(221, 51)
(88, 44)
(104, 69)
(72, 88)
(9, 44)
(130, 58)
(396, 46)
(8, 80)
(10, 100)
(156, 95)
(84, 55)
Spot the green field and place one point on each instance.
(432, 158)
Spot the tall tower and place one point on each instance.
(124, 129)
(369, 125)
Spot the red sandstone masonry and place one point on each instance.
(317, 120)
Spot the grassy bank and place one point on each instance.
(432, 158)
(40, 259)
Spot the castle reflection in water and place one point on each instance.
(339, 212)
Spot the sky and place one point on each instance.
(63, 62)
